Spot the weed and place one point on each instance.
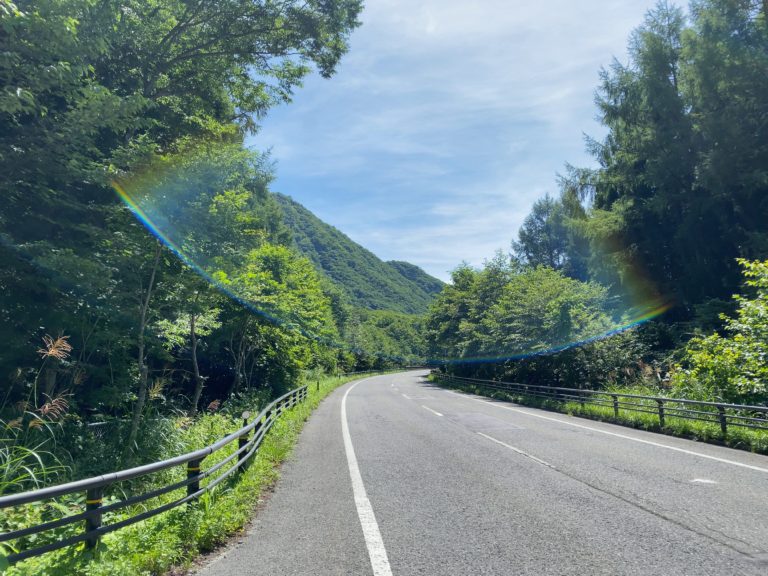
(174, 538)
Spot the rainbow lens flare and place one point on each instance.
(181, 199)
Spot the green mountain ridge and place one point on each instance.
(368, 281)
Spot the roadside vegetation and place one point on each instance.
(150, 290)
(175, 538)
(673, 219)
(740, 438)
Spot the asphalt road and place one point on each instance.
(442, 483)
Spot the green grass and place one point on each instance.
(740, 438)
(174, 538)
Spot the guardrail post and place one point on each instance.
(193, 470)
(318, 386)
(242, 442)
(723, 420)
(257, 428)
(615, 405)
(93, 498)
(660, 402)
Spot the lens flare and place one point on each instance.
(190, 200)
(201, 206)
(639, 319)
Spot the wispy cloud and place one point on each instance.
(447, 120)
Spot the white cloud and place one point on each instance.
(446, 120)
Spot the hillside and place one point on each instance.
(368, 281)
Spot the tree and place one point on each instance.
(543, 237)
(681, 188)
(196, 305)
(732, 368)
(293, 315)
(531, 324)
(450, 308)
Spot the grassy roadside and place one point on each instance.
(173, 539)
(740, 438)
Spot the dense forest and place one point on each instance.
(673, 219)
(145, 267)
(367, 281)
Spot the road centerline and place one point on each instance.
(373, 541)
(517, 450)
(435, 412)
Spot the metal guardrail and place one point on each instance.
(95, 487)
(717, 413)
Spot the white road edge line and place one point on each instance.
(376, 551)
(624, 436)
(521, 452)
(435, 412)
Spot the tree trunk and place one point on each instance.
(50, 381)
(141, 399)
(239, 357)
(195, 368)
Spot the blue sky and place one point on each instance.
(446, 121)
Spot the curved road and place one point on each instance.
(422, 480)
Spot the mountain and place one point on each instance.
(367, 280)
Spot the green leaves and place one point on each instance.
(158, 96)
(531, 325)
(683, 164)
(367, 281)
(734, 367)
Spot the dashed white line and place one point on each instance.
(406, 396)
(521, 452)
(373, 541)
(435, 412)
(615, 434)
(702, 481)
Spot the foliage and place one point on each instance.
(534, 324)
(381, 339)
(543, 237)
(156, 97)
(681, 189)
(732, 368)
(740, 438)
(367, 281)
(175, 537)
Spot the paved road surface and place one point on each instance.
(428, 481)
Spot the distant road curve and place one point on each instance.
(393, 475)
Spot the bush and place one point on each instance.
(734, 367)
